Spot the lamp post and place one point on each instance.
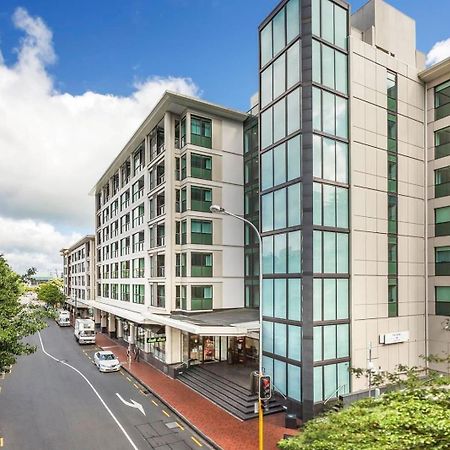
(219, 210)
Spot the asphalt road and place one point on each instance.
(47, 405)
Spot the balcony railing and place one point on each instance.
(160, 271)
(201, 271)
(160, 241)
(138, 221)
(125, 273)
(138, 273)
(139, 246)
(161, 210)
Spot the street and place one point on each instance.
(46, 404)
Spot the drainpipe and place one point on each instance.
(426, 219)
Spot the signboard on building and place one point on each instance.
(394, 338)
(153, 340)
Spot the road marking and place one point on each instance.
(129, 379)
(179, 426)
(133, 404)
(136, 386)
(166, 413)
(1, 442)
(95, 391)
(197, 441)
(0, 389)
(153, 401)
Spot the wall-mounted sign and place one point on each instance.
(394, 338)
(153, 340)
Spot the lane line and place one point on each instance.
(153, 401)
(166, 413)
(95, 391)
(136, 386)
(197, 441)
(179, 426)
(1, 442)
(129, 379)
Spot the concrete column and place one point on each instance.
(119, 330)
(104, 321)
(146, 344)
(112, 325)
(132, 337)
(97, 318)
(169, 358)
(175, 348)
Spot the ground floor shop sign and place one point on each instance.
(153, 340)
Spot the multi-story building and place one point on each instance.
(79, 275)
(161, 255)
(349, 117)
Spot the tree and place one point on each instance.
(26, 278)
(16, 320)
(413, 414)
(51, 292)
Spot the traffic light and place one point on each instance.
(265, 387)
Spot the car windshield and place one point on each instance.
(107, 357)
(87, 333)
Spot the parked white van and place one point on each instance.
(63, 318)
(84, 331)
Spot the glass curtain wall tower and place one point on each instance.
(304, 200)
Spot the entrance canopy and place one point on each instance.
(78, 303)
(230, 322)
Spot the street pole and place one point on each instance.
(220, 210)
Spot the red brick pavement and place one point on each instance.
(222, 428)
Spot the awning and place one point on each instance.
(236, 322)
(78, 303)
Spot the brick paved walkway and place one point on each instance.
(222, 428)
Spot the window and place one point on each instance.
(392, 173)
(442, 100)
(392, 297)
(392, 132)
(392, 213)
(183, 168)
(282, 253)
(442, 143)
(282, 298)
(180, 297)
(281, 208)
(138, 293)
(125, 246)
(139, 158)
(201, 199)
(391, 86)
(442, 182)
(251, 139)
(106, 290)
(138, 189)
(125, 223)
(442, 221)
(114, 292)
(138, 215)
(330, 252)
(329, 67)
(201, 231)
(281, 164)
(201, 166)
(201, 297)
(331, 342)
(138, 241)
(201, 264)
(115, 270)
(138, 268)
(329, 21)
(392, 255)
(125, 292)
(442, 298)
(201, 131)
(329, 378)
(330, 205)
(442, 260)
(126, 172)
(125, 200)
(330, 113)
(330, 159)
(331, 299)
(180, 264)
(183, 132)
(125, 269)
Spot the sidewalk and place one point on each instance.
(222, 428)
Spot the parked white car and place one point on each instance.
(106, 361)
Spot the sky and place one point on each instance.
(78, 77)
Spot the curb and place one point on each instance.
(191, 425)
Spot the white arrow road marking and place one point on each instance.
(134, 404)
(95, 391)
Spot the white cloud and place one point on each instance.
(439, 52)
(55, 145)
(27, 243)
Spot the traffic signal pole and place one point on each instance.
(260, 420)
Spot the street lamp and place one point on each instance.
(219, 210)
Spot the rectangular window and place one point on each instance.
(201, 199)
(330, 113)
(138, 268)
(201, 264)
(442, 300)
(201, 297)
(392, 297)
(442, 260)
(201, 166)
(442, 100)
(391, 87)
(392, 255)
(180, 264)
(125, 269)
(139, 158)
(442, 143)
(329, 21)
(392, 132)
(392, 214)
(183, 132)
(201, 232)
(442, 221)
(442, 182)
(201, 131)
(125, 200)
(180, 297)
(330, 252)
(392, 173)
(125, 292)
(330, 205)
(138, 293)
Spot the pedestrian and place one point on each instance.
(136, 353)
(128, 353)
